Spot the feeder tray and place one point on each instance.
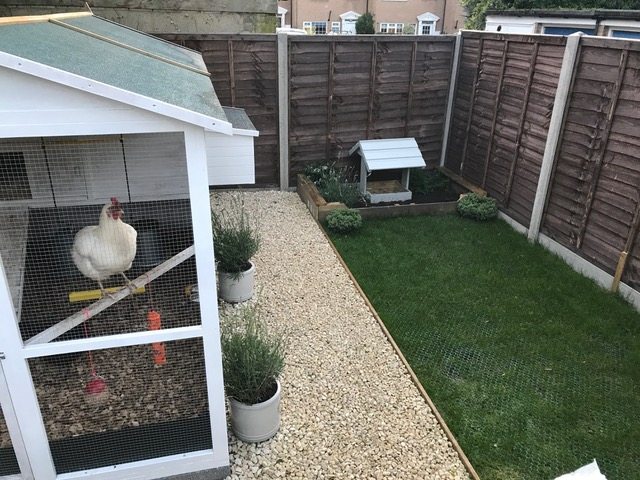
(96, 389)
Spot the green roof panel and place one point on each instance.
(238, 118)
(134, 38)
(115, 65)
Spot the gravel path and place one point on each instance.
(349, 408)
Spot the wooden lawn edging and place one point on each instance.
(406, 210)
(414, 378)
(311, 197)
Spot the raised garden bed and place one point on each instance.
(434, 203)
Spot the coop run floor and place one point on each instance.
(349, 408)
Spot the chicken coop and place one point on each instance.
(109, 140)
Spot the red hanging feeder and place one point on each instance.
(96, 389)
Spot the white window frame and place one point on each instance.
(311, 27)
(429, 26)
(386, 27)
(335, 27)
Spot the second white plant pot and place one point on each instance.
(256, 423)
(234, 288)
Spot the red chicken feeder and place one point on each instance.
(96, 390)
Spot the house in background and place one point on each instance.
(164, 16)
(423, 17)
(607, 23)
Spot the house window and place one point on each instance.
(559, 30)
(392, 28)
(280, 21)
(335, 27)
(14, 181)
(426, 28)
(625, 34)
(317, 28)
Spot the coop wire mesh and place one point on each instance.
(80, 218)
(8, 461)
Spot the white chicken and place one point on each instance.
(109, 248)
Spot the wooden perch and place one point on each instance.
(92, 310)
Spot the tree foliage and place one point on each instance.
(477, 8)
(365, 24)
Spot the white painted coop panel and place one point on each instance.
(86, 221)
(230, 160)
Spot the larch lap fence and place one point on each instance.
(525, 105)
(338, 90)
(547, 125)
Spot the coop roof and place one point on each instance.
(123, 64)
(389, 153)
(240, 121)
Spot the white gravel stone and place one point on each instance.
(349, 407)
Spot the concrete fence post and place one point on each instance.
(452, 93)
(555, 131)
(283, 109)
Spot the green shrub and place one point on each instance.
(423, 181)
(235, 237)
(476, 207)
(252, 357)
(365, 24)
(344, 220)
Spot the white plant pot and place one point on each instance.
(233, 288)
(256, 423)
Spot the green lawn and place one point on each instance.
(535, 369)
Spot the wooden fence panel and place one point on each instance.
(463, 100)
(345, 89)
(594, 203)
(502, 107)
(244, 71)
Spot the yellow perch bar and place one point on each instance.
(86, 295)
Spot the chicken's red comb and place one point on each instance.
(114, 200)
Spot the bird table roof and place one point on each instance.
(115, 55)
(389, 153)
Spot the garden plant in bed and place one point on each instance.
(534, 367)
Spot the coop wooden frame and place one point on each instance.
(17, 390)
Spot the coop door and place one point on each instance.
(111, 361)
